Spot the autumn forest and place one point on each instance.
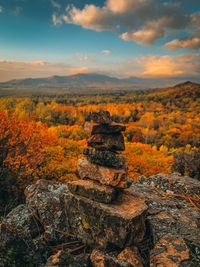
(41, 136)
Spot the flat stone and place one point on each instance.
(101, 117)
(94, 128)
(104, 175)
(119, 224)
(92, 190)
(112, 142)
(132, 256)
(105, 158)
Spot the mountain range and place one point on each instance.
(89, 81)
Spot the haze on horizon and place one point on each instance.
(120, 38)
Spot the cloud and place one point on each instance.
(164, 66)
(17, 11)
(142, 21)
(56, 4)
(74, 71)
(10, 69)
(37, 63)
(84, 58)
(193, 43)
(57, 20)
(106, 52)
(150, 66)
(1, 9)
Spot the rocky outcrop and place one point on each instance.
(38, 236)
(28, 231)
(173, 221)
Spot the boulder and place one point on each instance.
(113, 142)
(100, 117)
(119, 224)
(46, 200)
(105, 158)
(94, 128)
(104, 175)
(92, 190)
(21, 239)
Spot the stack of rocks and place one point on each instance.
(99, 210)
(102, 162)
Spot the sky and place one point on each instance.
(120, 38)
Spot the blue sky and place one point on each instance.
(144, 38)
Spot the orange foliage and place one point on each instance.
(23, 146)
(142, 159)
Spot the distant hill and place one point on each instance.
(82, 82)
(180, 95)
(78, 81)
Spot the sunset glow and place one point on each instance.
(159, 38)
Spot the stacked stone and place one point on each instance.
(103, 170)
(98, 210)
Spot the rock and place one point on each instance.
(100, 117)
(104, 175)
(173, 183)
(21, 239)
(92, 190)
(113, 142)
(45, 199)
(132, 256)
(170, 251)
(102, 259)
(172, 225)
(105, 158)
(171, 215)
(119, 224)
(64, 258)
(94, 128)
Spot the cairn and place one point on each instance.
(99, 210)
(103, 163)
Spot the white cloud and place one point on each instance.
(106, 52)
(142, 21)
(56, 4)
(57, 20)
(193, 43)
(196, 20)
(17, 11)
